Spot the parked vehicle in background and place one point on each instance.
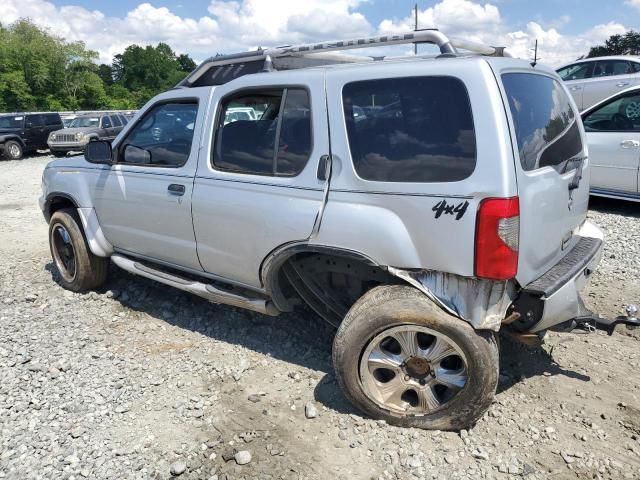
(613, 135)
(22, 133)
(240, 113)
(84, 129)
(593, 79)
(453, 209)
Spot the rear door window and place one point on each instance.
(609, 68)
(546, 126)
(264, 133)
(412, 129)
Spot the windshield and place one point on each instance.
(81, 122)
(11, 122)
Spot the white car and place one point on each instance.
(593, 79)
(613, 136)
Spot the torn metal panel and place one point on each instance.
(482, 303)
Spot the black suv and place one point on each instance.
(22, 133)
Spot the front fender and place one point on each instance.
(17, 138)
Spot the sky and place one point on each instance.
(565, 29)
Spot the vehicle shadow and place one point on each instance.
(618, 207)
(519, 362)
(299, 338)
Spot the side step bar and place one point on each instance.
(204, 290)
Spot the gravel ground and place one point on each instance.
(142, 381)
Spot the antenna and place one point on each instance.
(535, 55)
(415, 45)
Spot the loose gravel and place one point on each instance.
(140, 381)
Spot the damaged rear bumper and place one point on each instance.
(554, 298)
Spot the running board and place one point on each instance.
(204, 290)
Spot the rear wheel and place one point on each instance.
(13, 150)
(79, 268)
(633, 110)
(400, 358)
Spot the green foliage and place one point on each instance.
(627, 44)
(39, 71)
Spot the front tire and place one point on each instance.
(79, 268)
(13, 150)
(401, 358)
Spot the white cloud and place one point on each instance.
(234, 25)
(633, 3)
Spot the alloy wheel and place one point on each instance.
(412, 370)
(14, 151)
(633, 110)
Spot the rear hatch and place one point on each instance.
(551, 165)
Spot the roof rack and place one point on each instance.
(221, 69)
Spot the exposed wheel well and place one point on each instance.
(329, 282)
(57, 202)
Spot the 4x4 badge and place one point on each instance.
(443, 207)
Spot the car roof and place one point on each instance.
(635, 58)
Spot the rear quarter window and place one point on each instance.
(416, 129)
(545, 124)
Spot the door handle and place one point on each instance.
(176, 189)
(575, 89)
(630, 144)
(622, 84)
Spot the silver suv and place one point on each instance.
(417, 204)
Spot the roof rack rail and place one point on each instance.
(221, 69)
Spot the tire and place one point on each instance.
(79, 268)
(400, 310)
(13, 150)
(632, 110)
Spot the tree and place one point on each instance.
(185, 63)
(105, 72)
(40, 71)
(627, 44)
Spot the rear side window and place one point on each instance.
(608, 68)
(546, 126)
(52, 119)
(264, 133)
(116, 121)
(416, 129)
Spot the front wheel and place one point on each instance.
(79, 268)
(401, 358)
(13, 150)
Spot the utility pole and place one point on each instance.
(415, 45)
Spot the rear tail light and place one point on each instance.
(497, 238)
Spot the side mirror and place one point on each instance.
(98, 152)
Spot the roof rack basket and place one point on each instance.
(221, 69)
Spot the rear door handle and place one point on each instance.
(575, 89)
(630, 144)
(622, 84)
(176, 189)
